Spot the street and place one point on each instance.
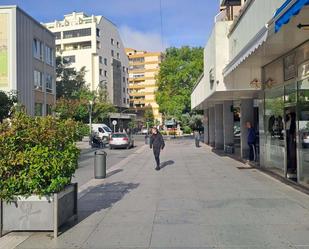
(197, 200)
(85, 170)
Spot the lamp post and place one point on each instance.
(90, 118)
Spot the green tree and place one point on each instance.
(7, 101)
(179, 71)
(69, 81)
(148, 116)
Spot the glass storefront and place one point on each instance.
(286, 130)
(274, 143)
(303, 130)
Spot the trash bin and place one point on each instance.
(147, 139)
(100, 164)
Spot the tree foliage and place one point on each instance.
(148, 116)
(178, 73)
(69, 81)
(7, 101)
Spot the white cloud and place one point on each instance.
(149, 41)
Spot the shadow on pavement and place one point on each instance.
(114, 172)
(99, 198)
(167, 163)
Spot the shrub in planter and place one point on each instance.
(38, 155)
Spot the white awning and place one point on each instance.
(252, 46)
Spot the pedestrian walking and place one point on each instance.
(197, 138)
(251, 141)
(157, 144)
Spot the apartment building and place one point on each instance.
(143, 68)
(94, 42)
(264, 78)
(27, 60)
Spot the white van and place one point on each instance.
(102, 131)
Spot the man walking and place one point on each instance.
(157, 144)
(197, 138)
(251, 142)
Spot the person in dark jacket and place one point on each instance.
(157, 144)
(251, 142)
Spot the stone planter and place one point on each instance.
(36, 213)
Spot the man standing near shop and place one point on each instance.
(251, 141)
(157, 144)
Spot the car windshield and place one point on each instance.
(119, 135)
(107, 129)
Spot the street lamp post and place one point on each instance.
(90, 118)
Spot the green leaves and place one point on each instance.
(37, 155)
(178, 73)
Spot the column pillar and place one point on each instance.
(206, 126)
(211, 124)
(228, 123)
(246, 115)
(219, 139)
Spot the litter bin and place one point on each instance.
(100, 164)
(147, 139)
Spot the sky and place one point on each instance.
(185, 22)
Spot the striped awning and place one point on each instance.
(289, 9)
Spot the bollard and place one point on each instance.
(100, 164)
(147, 139)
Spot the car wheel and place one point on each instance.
(110, 147)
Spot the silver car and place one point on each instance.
(121, 140)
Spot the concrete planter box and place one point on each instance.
(36, 213)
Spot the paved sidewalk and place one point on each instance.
(198, 200)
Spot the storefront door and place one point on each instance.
(303, 131)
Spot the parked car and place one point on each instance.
(121, 140)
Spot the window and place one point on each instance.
(58, 48)
(128, 101)
(113, 53)
(123, 79)
(98, 32)
(69, 59)
(128, 91)
(124, 100)
(49, 83)
(137, 67)
(101, 71)
(138, 59)
(105, 73)
(57, 35)
(124, 90)
(76, 33)
(37, 49)
(38, 109)
(49, 109)
(124, 69)
(118, 45)
(49, 55)
(112, 41)
(98, 45)
(100, 59)
(38, 79)
(105, 61)
(118, 56)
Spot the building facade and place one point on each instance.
(27, 60)
(143, 69)
(94, 42)
(265, 81)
